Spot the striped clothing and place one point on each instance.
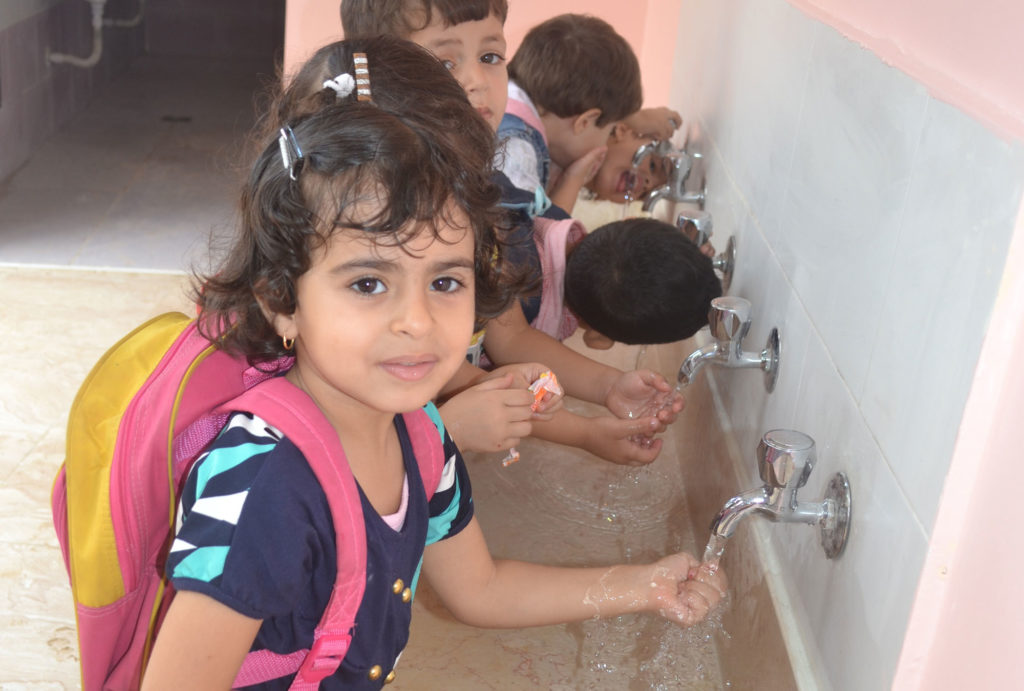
(255, 534)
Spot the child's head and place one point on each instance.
(467, 36)
(639, 281)
(404, 175)
(615, 179)
(577, 67)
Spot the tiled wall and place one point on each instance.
(872, 222)
(37, 97)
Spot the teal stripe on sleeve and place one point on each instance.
(439, 526)
(435, 416)
(203, 564)
(222, 459)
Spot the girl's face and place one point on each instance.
(614, 180)
(381, 328)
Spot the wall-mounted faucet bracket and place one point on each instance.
(698, 226)
(835, 527)
(770, 359)
(725, 263)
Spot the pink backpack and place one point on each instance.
(147, 410)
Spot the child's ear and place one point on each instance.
(283, 324)
(585, 120)
(596, 340)
(618, 134)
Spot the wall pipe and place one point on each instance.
(98, 22)
(97, 41)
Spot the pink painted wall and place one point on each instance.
(649, 26)
(967, 52)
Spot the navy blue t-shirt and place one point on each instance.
(255, 533)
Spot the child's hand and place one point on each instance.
(656, 123)
(685, 590)
(708, 250)
(626, 442)
(524, 374)
(492, 415)
(584, 168)
(643, 393)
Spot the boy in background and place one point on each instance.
(572, 79)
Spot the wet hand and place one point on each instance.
(625, 442)
(684, 590)
(643, 393)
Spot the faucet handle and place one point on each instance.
(729, 318)
(701, 225)
(785, 458)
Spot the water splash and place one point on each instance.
(714, 551)
(627, 197)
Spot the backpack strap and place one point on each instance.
(287, 408)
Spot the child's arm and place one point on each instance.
(656, 123)
(566, 188)
(626, 394)
(606, 437)
(202, 645)
(483, 592)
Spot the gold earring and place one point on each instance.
(288, 343)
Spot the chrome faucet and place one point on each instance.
(697, 226)
(785, 459)
(729, 319)
(680, 163)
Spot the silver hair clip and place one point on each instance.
(342, 85)
(362, 76)
(291, 154)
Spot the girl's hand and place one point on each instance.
(643, 393)
(493, 415)
(626, 442)
(523, 375)
(684, 590)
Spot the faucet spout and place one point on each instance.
(695, 360)
(737, 509)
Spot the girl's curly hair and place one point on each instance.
(418, 151)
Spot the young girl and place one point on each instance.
(364, 225)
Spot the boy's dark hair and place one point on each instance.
(364, 18)
(640, 281)
(416, 154)
(572, 63)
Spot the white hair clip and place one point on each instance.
(343, 84)
(291, 153)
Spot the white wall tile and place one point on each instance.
(849, 179)
(959, 214)
(858, 605)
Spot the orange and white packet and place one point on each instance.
(544, 384)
